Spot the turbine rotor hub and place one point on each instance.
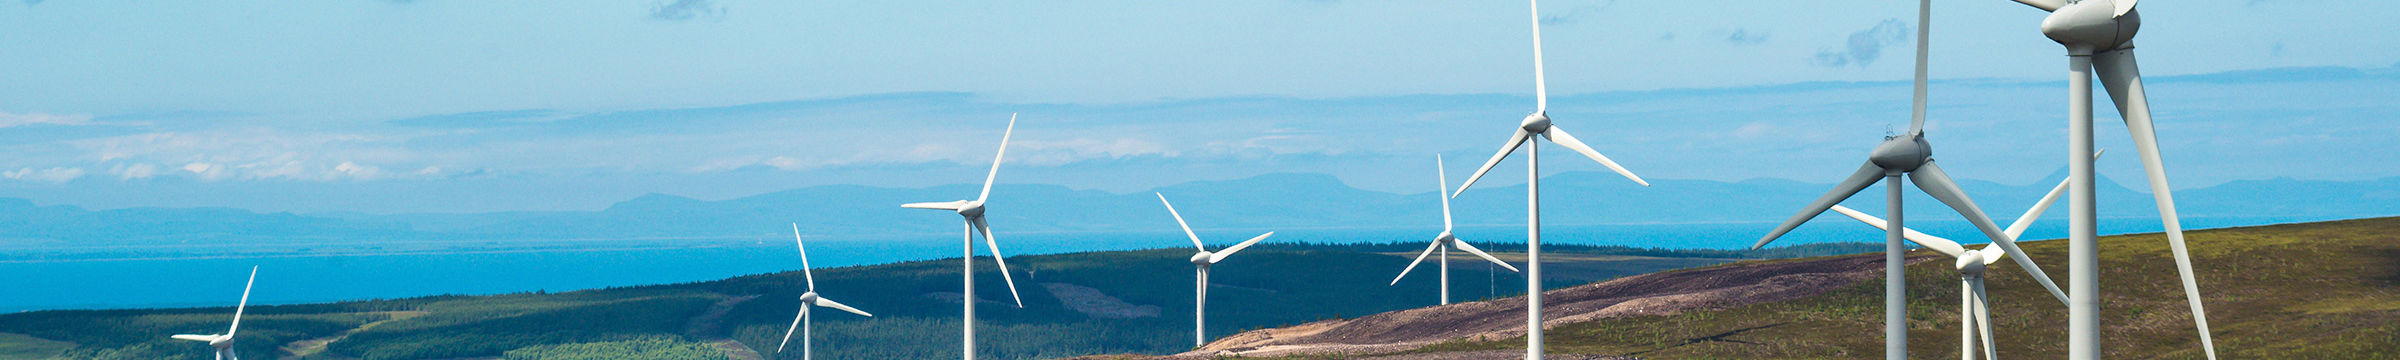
(1201, 258)
(973, 209)
(1971, 266)
(809, 298)
(1902, 153)
(1538, 122)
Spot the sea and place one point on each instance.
(167, 281)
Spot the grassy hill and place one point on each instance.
(1132, 302)
(2328, 290)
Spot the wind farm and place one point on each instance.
(586, 181)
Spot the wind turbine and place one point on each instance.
(1907, 154)
(2098, 35)
(1538, 123)
(1974, 306)
(224, 342)
(1446, 240)
(972, 210)
(1200, 263)
(809, 300)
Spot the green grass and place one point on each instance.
(14, 346)
(2303, 291)
(644, 348)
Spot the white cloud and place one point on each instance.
(50, 175)
(9, 120)
(136, 171)
(252, 154)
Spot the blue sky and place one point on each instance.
(432, 105)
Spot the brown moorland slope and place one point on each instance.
(2327, 290)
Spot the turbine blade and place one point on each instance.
(199, 338)
(1560, 136)
(2123, 77)
(1514, 141)
(822, 301)
(805, 270)
(237, 309)
(1983, 320)
(1541, 87)
(945, 205)
(1442, 173)
(1220, 255)
(1916, 118)
(2045, 5)
(1187, 227)
(787, 334)
(2017, 229)
(1412, 264)
(1933, 181)
(1866, 175)
(995, 174)
(1462, 245)
(996, 260)
(2126, 6)
(1937, 243)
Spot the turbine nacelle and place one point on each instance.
(1536, 123)
(1903, 153)
(809, 298)
(1201, 258)
(2092, 25)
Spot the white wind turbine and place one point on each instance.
(1974, 306)
(808, 300)
(1446, 240)
(2098, 35)
(1907, 154)
(224, 342)
(1538, 123)
(972, 210)
(1200, 263)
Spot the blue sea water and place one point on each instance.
(216, 281)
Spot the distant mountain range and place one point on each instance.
(1274, 201)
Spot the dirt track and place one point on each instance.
(1650, 294)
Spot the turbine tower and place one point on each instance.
(1974, 312)
(972, 210)
(1446, 240)
(1200, 263)
(1538, 123)
(2098, 35)
(1907, 154)
(224, 342)
(809, 300)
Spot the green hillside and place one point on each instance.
(2327, 290)
(1144, 302)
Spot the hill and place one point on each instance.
(1076, 304)
(2300, 291)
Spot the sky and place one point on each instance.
(456, 106)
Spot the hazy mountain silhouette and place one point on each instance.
(1279, 201)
